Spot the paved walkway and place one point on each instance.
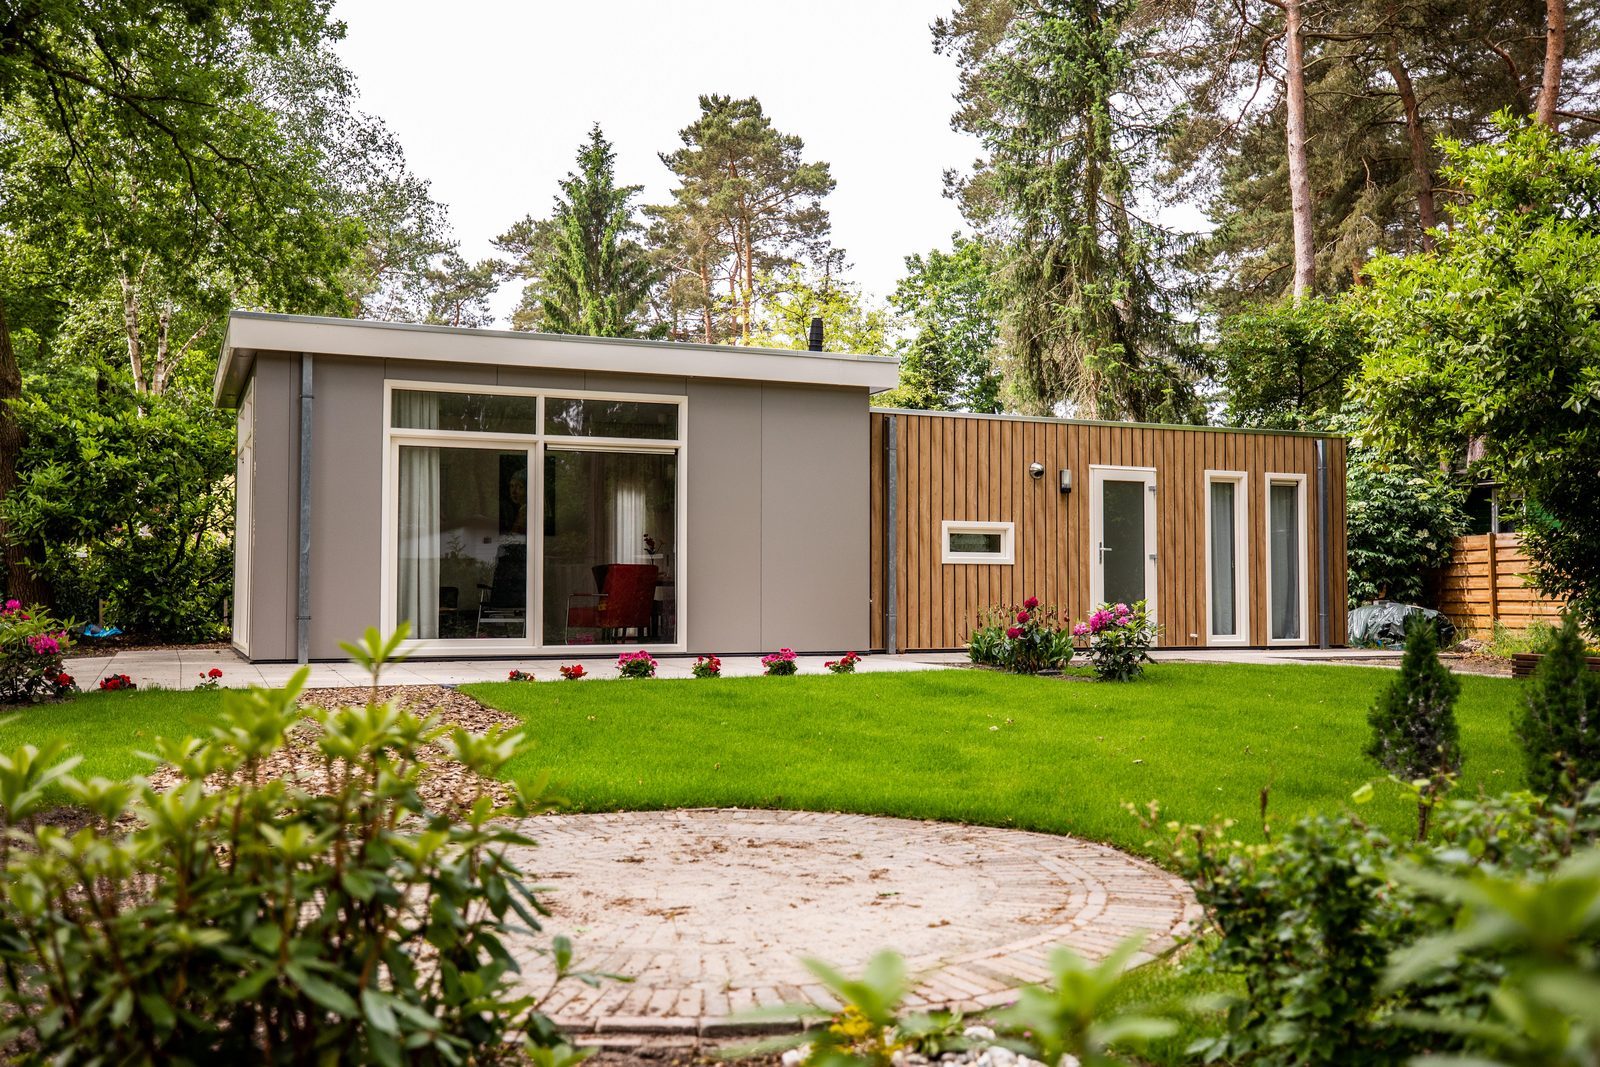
(711, 911)
(180, 668)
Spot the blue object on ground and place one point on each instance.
(100, 631)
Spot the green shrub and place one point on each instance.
(32, 643)
(1026, 638)
(1120, 638)
(1559, 729)
(132, 501)
(247, 916)
(1311, 920)
(1414, 731)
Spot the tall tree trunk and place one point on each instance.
(1555, 51)
(749, 276)
(21, 582)
(705, 290)
(130, 326)
(1294, 85)
(1421, 173)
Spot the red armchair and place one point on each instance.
(623, 603)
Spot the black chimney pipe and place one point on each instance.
(814, 336)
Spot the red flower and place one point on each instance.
(64, 680)
(214, 672)
(1022, 616)
(1014, 632)
(1031, 603)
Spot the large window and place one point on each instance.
(610, 541)
(520, 520)
(1227, 556)
(1286, 555)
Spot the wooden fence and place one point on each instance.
(1486, 579)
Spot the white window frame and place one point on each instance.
(1298, 480)
(1008, 542)
(1241, 554)
(1098, 475)
(536, 445)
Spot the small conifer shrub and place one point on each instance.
(1560, 723)
(1414, 731)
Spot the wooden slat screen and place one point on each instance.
(1487, 579)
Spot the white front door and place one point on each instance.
(1122, 536)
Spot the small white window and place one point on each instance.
(978, 542)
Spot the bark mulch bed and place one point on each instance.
(443, 780)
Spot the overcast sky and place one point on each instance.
(491, 98)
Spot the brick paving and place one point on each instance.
(711, 911)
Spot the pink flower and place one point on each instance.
(1022, 616)
(1122, 609)
(1031, 603)
(1081, 630)
(43, 645)
(1014, 632)
(13, 605)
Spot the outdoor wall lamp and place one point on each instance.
(1066, 481)
(1036, 471)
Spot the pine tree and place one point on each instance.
(1091, 320)
(587, 272)
(747, 206)
(1414, 732)
(1560, 724)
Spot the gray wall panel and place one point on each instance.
(346, 502)
(723, 467)
(814, 518)
(271, 593)
(777, 549)
(458, 373)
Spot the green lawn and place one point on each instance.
(109, 729)
(991, 748)
(972, 746)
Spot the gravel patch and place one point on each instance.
(444, 782)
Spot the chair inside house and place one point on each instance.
(503, 604)
(627, 593)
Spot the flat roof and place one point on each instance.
(250, 332)
(1202, 428)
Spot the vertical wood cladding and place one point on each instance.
(975, 468)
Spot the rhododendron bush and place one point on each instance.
(1120, 637)
(31, 646)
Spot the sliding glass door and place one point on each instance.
(463, 542)
(503, 500)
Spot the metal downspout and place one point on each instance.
(303, 614)
(890, 507)
(1322, 542)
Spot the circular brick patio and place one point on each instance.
(711, 911)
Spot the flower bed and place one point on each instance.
(845, 664)
(638, 664)
(780, 664)
(706, 667)
(1026, 638)
(32, 643)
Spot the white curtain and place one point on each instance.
(1223, 542)
(1285, 549)
(418, 591)
(629, 512)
